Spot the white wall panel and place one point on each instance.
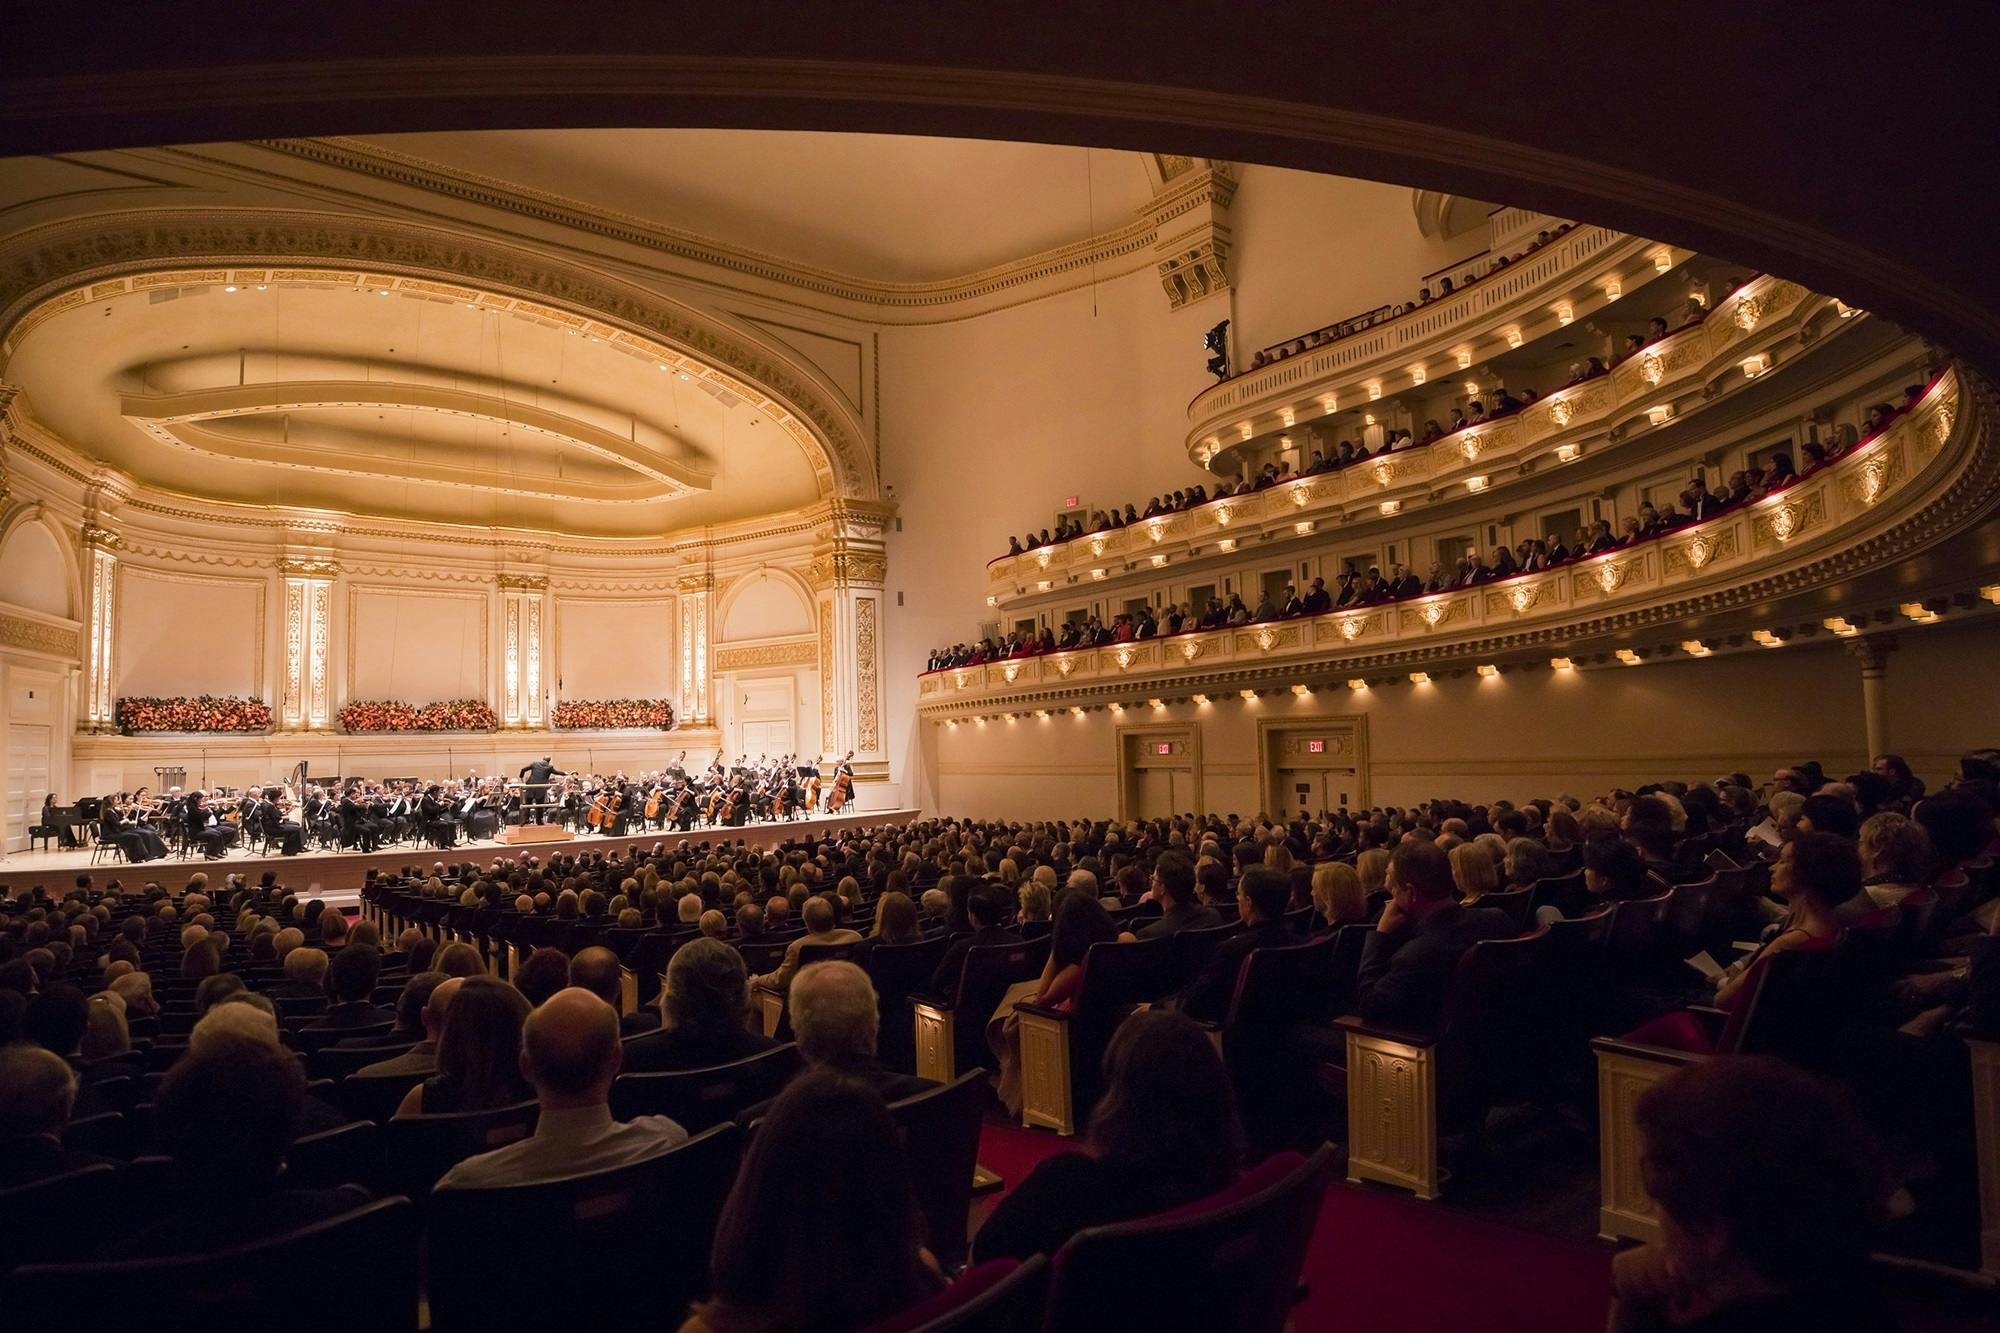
(615, 648)
(188, 634)
(417, 646)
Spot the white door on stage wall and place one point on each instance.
(766, 738)
(28, 748)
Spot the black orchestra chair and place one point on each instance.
(416, 1150)
(56, 1218)
(773, 1004)
(262, 1284)
(586, 1272)
(699, 1098)
(898, 972)
(998, 1296)
(343, 1155)
(949, 1030)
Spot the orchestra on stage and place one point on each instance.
(298, 813)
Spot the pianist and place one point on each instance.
(52, 818)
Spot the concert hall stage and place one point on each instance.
(336, 876)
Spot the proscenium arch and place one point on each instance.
(44, 271)
(1746, 156)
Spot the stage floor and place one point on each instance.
(336, 876)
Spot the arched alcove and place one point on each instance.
(765, 605)
(34, 573)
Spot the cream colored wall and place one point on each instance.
(33, 572)
(1522, 734)
(420, 647)
(615, 648)
(1292, 277)
(188, 634)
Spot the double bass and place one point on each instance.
(604, 809)
(843, 786)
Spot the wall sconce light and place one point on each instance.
(1043, 585)
(979, 721)
(1331, 403)
(992, 600)
(1767, 637)
(1488, 670)
(1420, 678)
(1472, 388)
(1243, 428)
(1920, 613)
(1416, 374)
(1391, 506)
(1613, 290)
(1076, 710)
(1156, 704)
(1226, 544)
(1097, 573)
(1374, 391)
(1564, 313)
(1753, 366)
(1367, 418)
(1302, 528)
(1844, 310)
(1475, 484)
(1839, 625)
(1660, 415)
(1514, 337)
(1465, 360)
(1285, 441)
(1158, 561)
(1662, 261)
(1569, 453)
(1007, 717)
(1628, 656)
(1285, 415)
(1696, 648)
(1199, 698)
(1117, 708)
(1246, 694)
(1357, 684)
(1302, 691)
(1042, 713)
(1562, 664)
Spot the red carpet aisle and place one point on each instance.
(1380, 1262)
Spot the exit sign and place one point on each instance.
(1315, 747)
(1163, 747)
(1070, 503)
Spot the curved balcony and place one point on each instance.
(1892, 493)
(1644, 390)
(1575, 271)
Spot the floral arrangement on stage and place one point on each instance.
(207, 712)
(610, 714)
(395, 715)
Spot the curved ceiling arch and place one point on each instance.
(1743, 150)
(46, 272)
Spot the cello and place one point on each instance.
(843, 786)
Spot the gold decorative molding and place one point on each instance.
(529, 583)
(801, 651)
(101, 538)
(867, 671)
(35, 637)
(1791, 517)
(308, 569)
(843, 566)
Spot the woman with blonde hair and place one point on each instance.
(104, 1033)
(1035, 898)
(1895, 856)
(1278, 857)
(1372, 868)
(1009, 873)
(1337, 896)
(895, 918)
(1472, 869)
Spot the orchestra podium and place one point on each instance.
(515, 834)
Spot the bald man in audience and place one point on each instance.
(819, 919)
(598, 971)
(305, 975)
(570, 1054)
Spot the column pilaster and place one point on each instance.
(1872, 652)
(100, 571)
(306, 703)
(847, 576)
(697, 600)
(524, 623)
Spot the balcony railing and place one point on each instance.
(1728, 548)
(1478, 457)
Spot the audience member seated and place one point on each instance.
(479, 1062)
(1769, 1193)
(570, 1053)
(1173, 888)
(227, 1114)
(596, 970)
(350, 980)
(437, 992)
(704, 1013)
(1080, 922)
(836, 1023)
(1164, 1133)
(1407, 963)
(1261, 898)
(541, 974)
(822, 1229)
(37, 1094)
(822, 927)
(991, 907)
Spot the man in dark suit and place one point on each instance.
(350, 980)
(835, 1021)
(358, 822)
(1173, 886)
(991, 907)
(37, 1094)
(1408, 961)
(597, 970)
(536, 776)
(1261, 896)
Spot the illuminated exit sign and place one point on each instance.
(1070, 503)
(1163, 747)
(1315, 747)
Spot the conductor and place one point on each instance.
(535, 796)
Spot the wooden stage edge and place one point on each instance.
(339, 875)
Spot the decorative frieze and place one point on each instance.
(790, 652)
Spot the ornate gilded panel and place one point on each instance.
(1434, 614)
(1790, 516)
(1692, 554)
(867, 670)
(1603, 577)
(1517, 598)
(1267, 638)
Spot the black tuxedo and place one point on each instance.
(1206, 998)
(1405, 975)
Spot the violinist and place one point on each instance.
(273, 822)
(358, 822)
(439, 817)
(138, 842)
(205, 828)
